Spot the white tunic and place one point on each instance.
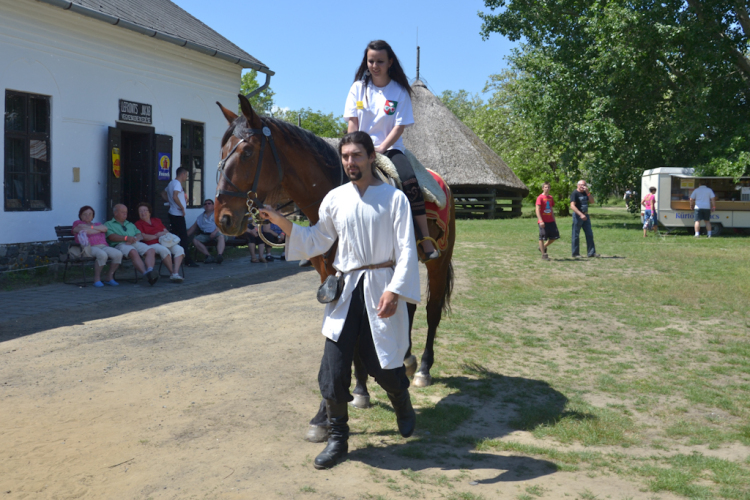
(371, 229)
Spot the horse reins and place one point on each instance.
(252, 196)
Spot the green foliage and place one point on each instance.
(513, 137)
(315, 121)
(615, 88)
(263, 102)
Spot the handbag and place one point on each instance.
(330, 289)
(169, 240)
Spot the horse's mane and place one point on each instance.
(325, 155)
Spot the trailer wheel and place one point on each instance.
(716, 229)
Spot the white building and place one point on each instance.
(104, 99)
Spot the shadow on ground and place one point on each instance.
(458, 432)
(77, 315)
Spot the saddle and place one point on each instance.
(431, 190)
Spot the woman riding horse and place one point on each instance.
(379, 103)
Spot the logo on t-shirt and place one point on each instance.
(390, 107)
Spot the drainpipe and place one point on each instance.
(262, 87)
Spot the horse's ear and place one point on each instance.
(247, 109)
(231, 117)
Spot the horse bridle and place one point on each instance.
(251, 197)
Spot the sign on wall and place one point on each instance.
(687, 183)
(135, 112)
(116, 162)
(165, 161)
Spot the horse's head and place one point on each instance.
(241, 158)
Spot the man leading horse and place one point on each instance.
(378, 259)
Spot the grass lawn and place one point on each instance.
(636, 364)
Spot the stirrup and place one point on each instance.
(432, 256)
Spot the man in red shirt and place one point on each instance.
(545, 217)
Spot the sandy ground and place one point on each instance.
(209, 396)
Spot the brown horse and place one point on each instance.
(264, 160)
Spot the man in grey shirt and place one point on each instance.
(703, 201)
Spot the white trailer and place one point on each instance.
(674, 187)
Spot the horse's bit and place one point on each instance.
(251, 196)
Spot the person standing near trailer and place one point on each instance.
(649, 212)
(703, 201)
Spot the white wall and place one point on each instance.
(86, 66)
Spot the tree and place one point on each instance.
(618, 87)
(320, 124)
(509, 133)
(263, 102)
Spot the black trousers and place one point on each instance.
(335, 375)
(178, 227)
(409, 183)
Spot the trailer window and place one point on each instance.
(725, 188)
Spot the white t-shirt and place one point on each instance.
(173, 186)
(702, 196)
(379, 110)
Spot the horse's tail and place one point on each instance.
(449, 279)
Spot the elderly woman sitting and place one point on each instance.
(152, 229)
(93, 240)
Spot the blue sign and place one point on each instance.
(165, 164)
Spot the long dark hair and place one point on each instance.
(395, 71)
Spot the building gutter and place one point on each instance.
(116, 21)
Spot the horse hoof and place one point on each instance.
(361, 402)
(422, 380)
(318, 433)
(410, 364)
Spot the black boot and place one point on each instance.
(337, 442)
(406, 418)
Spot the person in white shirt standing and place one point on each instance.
(379, 103)
(703, 201)
(177, 206)
(378, 259)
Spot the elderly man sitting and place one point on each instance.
(125, 237)
(205, 227)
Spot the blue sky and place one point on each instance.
(315, 47)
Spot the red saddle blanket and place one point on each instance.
(440, 215)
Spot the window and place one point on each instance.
(191, 157)
(27, 152)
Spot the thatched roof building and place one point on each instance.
(481, 182)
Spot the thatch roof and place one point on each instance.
(444, 144)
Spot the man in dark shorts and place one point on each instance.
(703, 201)
(545, 218)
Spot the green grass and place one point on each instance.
(645, 350)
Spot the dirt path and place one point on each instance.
(208, 397)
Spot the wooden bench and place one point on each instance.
(67, 239)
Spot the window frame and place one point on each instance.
(191, 153)
(27, 135)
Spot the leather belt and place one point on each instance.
(390, 263)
